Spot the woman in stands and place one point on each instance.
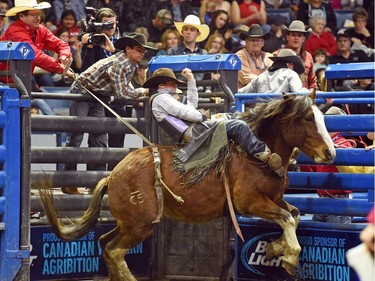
(169, 39)
(313, 8)
(320, 39)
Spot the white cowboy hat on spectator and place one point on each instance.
(255, 31)
(288, 55)
(26, 5)
(296, 26)
(193, 20)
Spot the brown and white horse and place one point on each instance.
(284, 123)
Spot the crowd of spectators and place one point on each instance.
(156, 20)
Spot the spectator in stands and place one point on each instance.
(320, 39)
(192, 32)
(58, 8)
(349, 4)
(281, 77)
(234, 43)
(360, 34)
(107, 77)
(320, 59)
(179, 9)
(158, 24)
(249, 12)
(278, 4)
(169, 39)
(276, 40)
(295, 36)
(215, 44)
(69, 21)
(219, 24)
(206, 11)
(133, 15)
(313, 8)
(27, 28)
(344, 53)
(171, 115)
(4, 7)
(254, 60)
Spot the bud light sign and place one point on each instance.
(322, 254)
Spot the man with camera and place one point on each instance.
(97, 36)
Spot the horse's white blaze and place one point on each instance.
(322, 130)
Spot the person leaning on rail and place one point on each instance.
(27, 28)
(107, 77)
(281, 76)
(184, 123)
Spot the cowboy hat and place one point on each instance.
(288, 55)
(193, 20)
(162, 75)
(296, 26)
(132, 39)
(334, 110)
(26, 5)
(255, 31)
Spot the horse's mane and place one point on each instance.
(283, 109)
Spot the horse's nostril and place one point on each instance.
(328, 154)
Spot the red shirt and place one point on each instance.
(245, 11)
(44, 40)
(324, 41)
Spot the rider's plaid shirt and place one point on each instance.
(109, 77)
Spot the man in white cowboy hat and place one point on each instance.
(27, 28)
(107, 77)
(281, 76)
(254, 61)
(192, 32)
(296, 36)
(183, 122)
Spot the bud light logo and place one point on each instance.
(253, 254)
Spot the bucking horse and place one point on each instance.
(284, 123)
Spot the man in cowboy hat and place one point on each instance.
(27, 28)
(107, 77)
(192, 32)
(254, 61)
(295, 37)
(282, 76)
(183, 122)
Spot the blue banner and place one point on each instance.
(53, 258)
(322, 256)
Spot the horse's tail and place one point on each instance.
(85, 223)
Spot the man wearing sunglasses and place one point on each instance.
(27, 28)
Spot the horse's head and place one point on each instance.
(293, 121)
(307, 130)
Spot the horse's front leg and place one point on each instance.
(276, 248)
(267, 209)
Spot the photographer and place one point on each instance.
(97, 35)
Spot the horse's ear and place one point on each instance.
(312, 94)
(285, 96)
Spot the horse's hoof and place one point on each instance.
(291, 269)
(70, 190)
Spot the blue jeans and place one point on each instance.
(43, 106)
(84, 108)
(240, 132)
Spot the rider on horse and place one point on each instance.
(180, 120)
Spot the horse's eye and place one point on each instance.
(309, 118)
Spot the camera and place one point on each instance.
(89, 25)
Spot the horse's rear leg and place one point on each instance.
(104, 240)
(276, 248)
(119, 246)
(268, 210)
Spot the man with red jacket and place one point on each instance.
(27, 28)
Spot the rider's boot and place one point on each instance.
(273, 160)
